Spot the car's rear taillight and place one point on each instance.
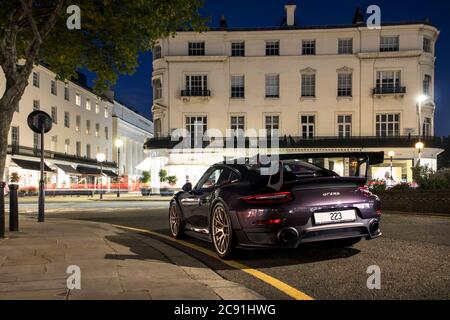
(364, 188)
(268, 222)
(270, 198)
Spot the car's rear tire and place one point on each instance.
(222, 232)
(342, 243)
(175, 221)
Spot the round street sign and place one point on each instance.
(39, 120)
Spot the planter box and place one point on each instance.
(166, 192)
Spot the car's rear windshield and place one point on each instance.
(297, 169)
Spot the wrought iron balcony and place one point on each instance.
(298, 142)
(196, 93)
(389, 90)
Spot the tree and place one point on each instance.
(162, 175)
(145, 177)
(112, 34)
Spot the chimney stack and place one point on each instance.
(290, 13)
(223, 22)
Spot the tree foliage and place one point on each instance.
(112, 34)
(428, 179)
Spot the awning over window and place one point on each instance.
(68, 169)
(95, 171)
(110, 173)
(88, 170)
(30, 165)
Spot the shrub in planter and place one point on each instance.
(145, 177)
(162, 175)
(427, 179)
(401, 186)
(32, 191)
(172, 180)
(14, 177)
(377, 185)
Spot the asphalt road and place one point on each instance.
(413, 255)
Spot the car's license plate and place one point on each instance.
(337, 216)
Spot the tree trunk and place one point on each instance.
(6, 116)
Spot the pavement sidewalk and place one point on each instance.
(114, 264)
(107, 197)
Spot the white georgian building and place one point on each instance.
(84, 125)
(82, 128)
(325, 89)
(132, 130)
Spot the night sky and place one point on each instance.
(136, 90)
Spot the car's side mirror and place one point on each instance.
(187, 187)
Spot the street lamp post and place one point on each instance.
(119, 144)
(391, 155)
(419, 147)
(101, 158)
(41, 123)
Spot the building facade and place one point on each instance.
(130, 130)
(323, 89)
(82, 128)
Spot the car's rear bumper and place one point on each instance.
(293, 236)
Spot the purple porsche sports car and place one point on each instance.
(236, 206)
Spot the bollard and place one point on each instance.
(2, 209)
(13, 208)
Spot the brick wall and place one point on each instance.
(416, 201)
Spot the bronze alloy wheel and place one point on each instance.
(174, 221)
(222, 231)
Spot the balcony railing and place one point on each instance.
(195, 93)
(389, 90)
(298, 142)
(51, 155)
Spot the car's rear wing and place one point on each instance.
(362, 159)
(368, 158)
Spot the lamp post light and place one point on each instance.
(391, 155)
(419, 147)
(119, 144)
(420, 100)
(101, 157)
(40, 123)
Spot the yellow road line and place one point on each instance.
(274, 282)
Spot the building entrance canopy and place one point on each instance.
(31, 165)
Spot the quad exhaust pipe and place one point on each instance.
(288, 236)
(374, 226)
